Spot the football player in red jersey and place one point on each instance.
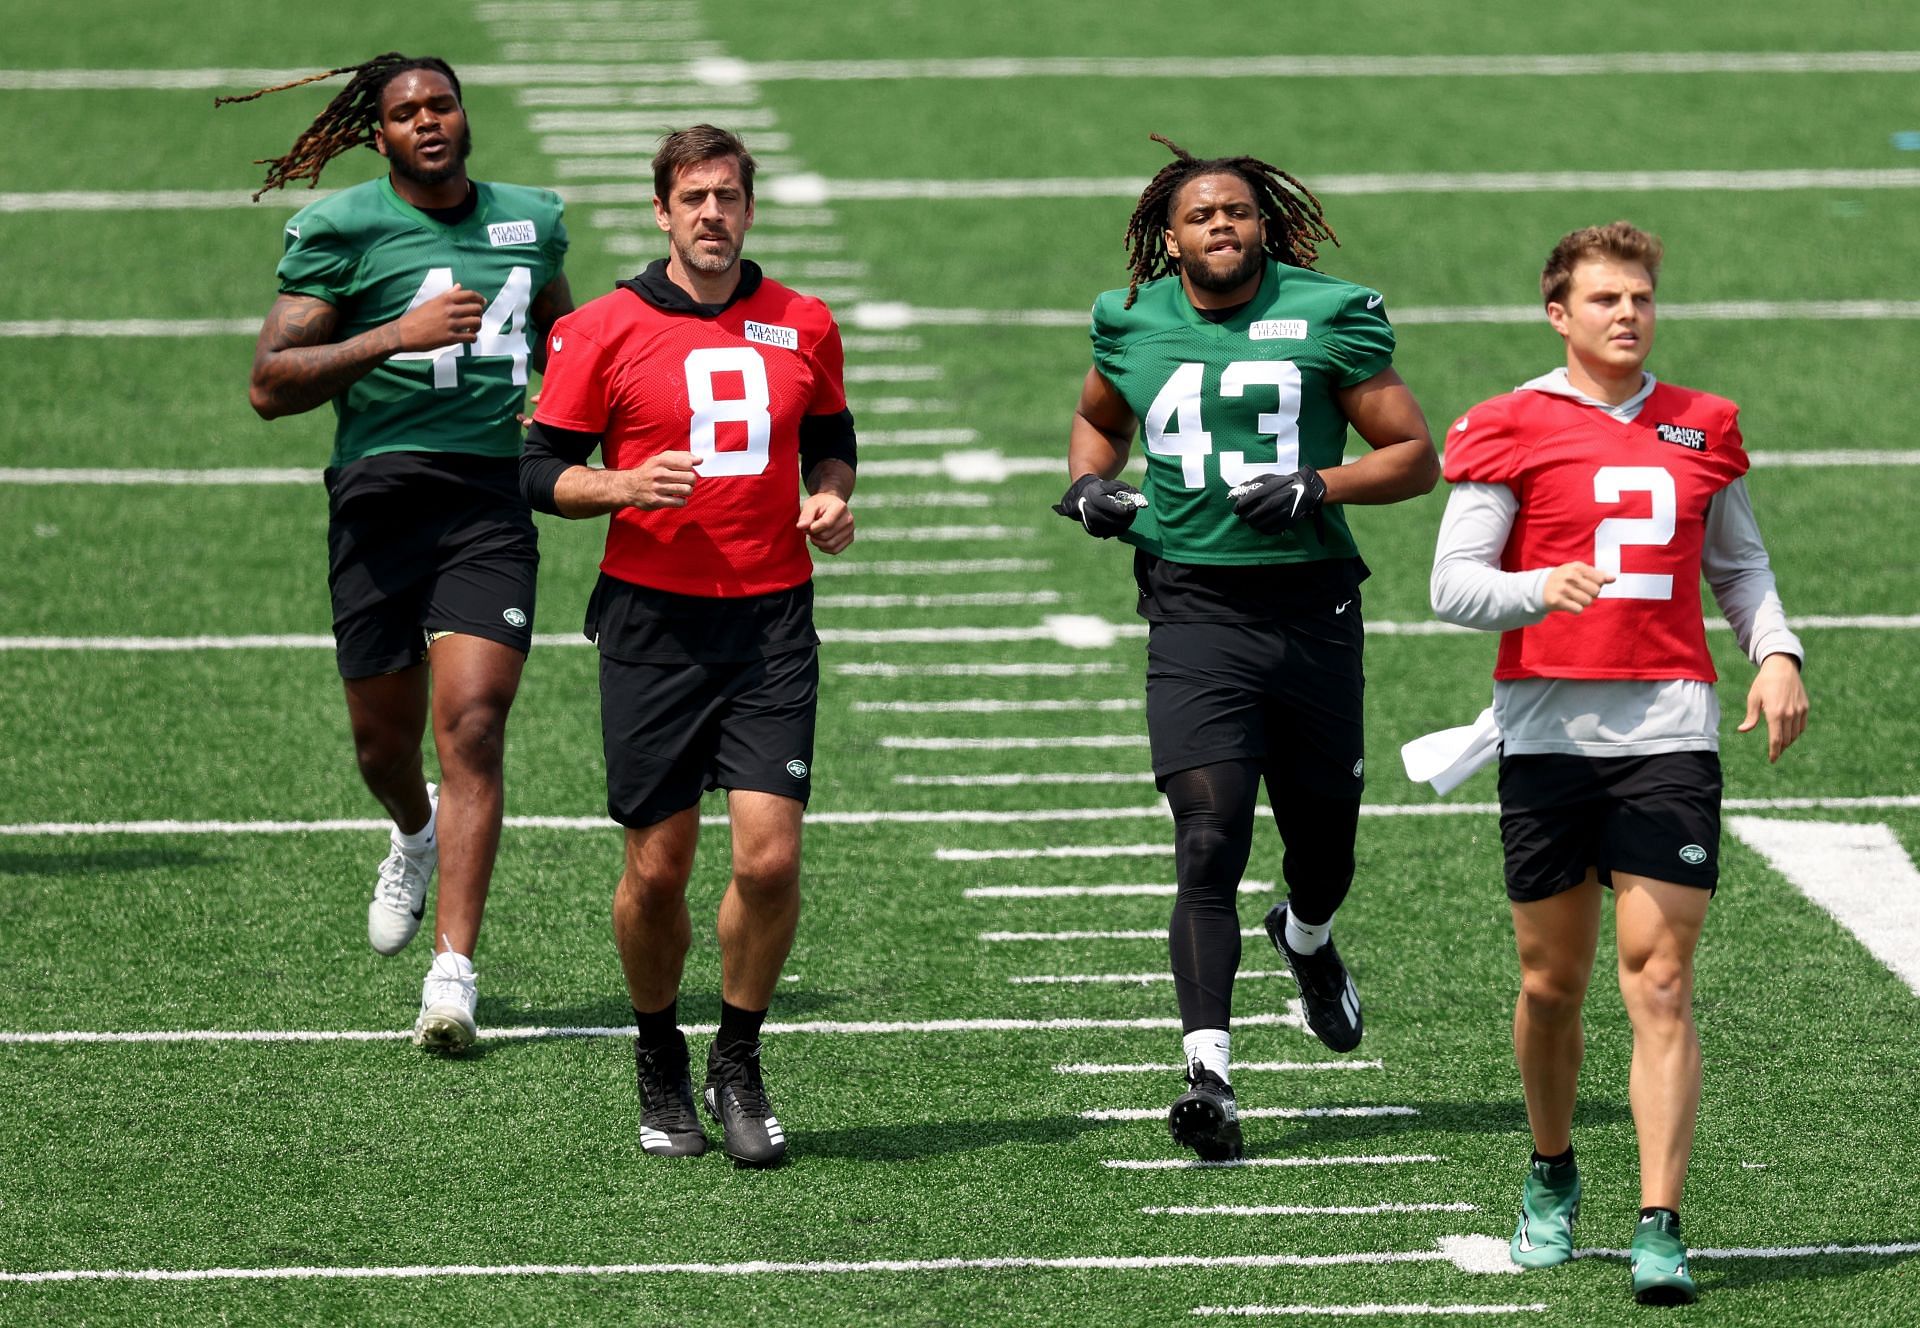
(1587, 505)
(711, 393)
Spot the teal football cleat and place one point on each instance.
(1549, 1206)
(1659, 1259)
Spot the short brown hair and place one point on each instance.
(690, 147)
(1620, 240)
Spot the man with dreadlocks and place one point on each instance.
(1247, 367)
(415, 304)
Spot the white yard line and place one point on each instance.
(991, 706)
(944, 534)
(1002, 670)
(544, 1032)
(932, 566)
(1248, 887)
(968, 600)
(1140, 979)
(1195, 1164)
(876, 502)
(1304, 1210)
(1060, 937)
(1023, 780)
(1259, 1067)
(945, 816)
(723, 72)
(894, 316)
(1254, 1113)
(1367, 1311)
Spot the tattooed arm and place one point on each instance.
(297, 365)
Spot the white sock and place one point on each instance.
(1209, 1046)
(452, 960)
(421, 839)
(1305, 938)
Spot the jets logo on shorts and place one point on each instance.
(797, 768)
(1693, 855)
(1358, 766)
(515, 618)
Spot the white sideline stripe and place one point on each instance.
(733, 72)
(884, 405)
(1009, 670)
(986, 706)
(807, 189)
(932, 567)
(1860, 875)
(1196, 1164)
(878, 501)
(1447, 1250)
(642, 144)
(66, 477)
(1090, 891)
(1304, 1210)
(980, 816)
(542, 1033)
(638, 94)
(660, 120)
(1070, 630)
(1358, 1311)
(999, 937)
(898, 373)
(1058, 851)
(758, 1267)
(1068, 979)
(970, 599)
(1837, 457)
(132, 327)
(1011, 744)
(856, 343)
(1092, 1067)
(1253, 1113)
(919, 437)
(1017, 781)
(723, 72)
(902, 534)
(894, 316)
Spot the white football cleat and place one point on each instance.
(400, 892)
(447, 999)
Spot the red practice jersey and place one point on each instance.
(732, 389)
(1629, 498)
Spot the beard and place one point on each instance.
(700, 260)
(1196, 270)
(438, 174)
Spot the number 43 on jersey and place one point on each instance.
(503, 328)
(1174, 426)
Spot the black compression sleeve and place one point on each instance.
(827, 438)
(547, 455)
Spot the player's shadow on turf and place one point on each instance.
(94, 861)
(1506, 1116)
(911, 1143)
(1721, 1275)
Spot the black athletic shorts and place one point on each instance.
(699, 694)
(1656, 816)
(421, 543)
(1285, 692)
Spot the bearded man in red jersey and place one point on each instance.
(711, 393)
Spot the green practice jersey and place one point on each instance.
(373, 256)
(1222, 402)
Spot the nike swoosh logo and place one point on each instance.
(1299, 496)
(1526, 1243)
(1373, 301)
(1343, 607)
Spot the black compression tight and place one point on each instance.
(1213, 809)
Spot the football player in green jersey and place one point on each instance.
(1245, 368)
(416, 303)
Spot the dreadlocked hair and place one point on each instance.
(1294, 222)
(348, 120)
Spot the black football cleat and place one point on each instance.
(669, 1125)
(1205, 1117)
(737, 1099)
(1328, 997)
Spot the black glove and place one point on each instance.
(1273, 503)
(1104, 507)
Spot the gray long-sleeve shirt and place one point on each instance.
(1593, 717)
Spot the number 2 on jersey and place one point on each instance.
(503, 328)
(1610, 484)
(1178, 405)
